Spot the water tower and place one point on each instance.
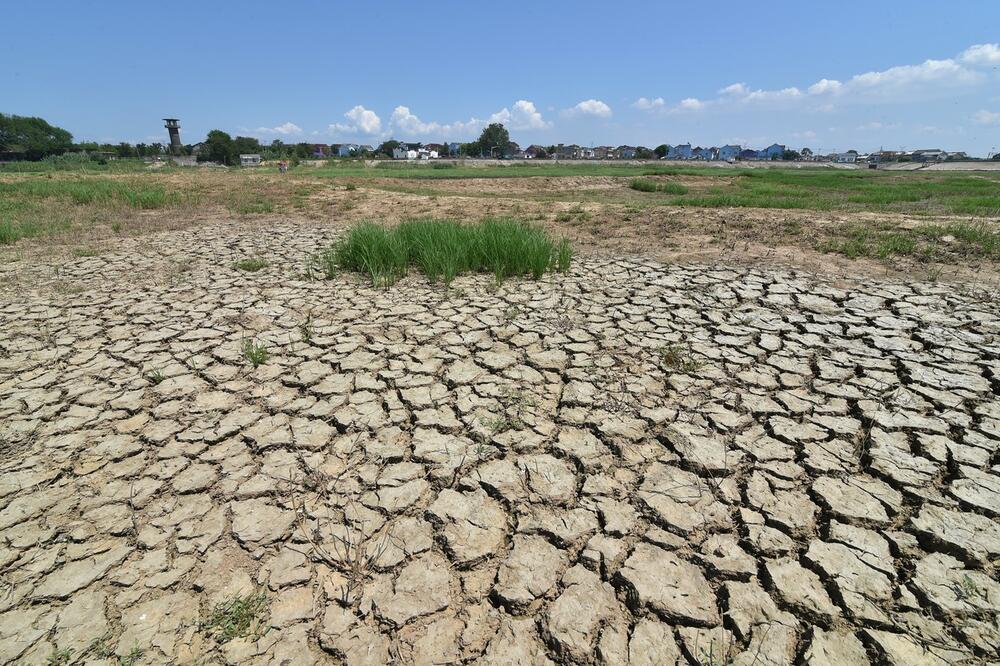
(173, 126)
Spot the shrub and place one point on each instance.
(443, 249)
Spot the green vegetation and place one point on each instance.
(932, 240)
(251, 264)
(32, 206)
(241, 617)
(32, 138)
(678, 357)
(443, 249)
(255, 353)
(664, 186)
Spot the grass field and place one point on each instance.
(954, 214)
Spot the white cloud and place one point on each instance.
(405, 121)
(522, 116)
(646, 104)
(591, 107)
(876, 125)
(981, 54)
(825, 86)
(984, 117)
(363, 121)
(284, 129)
(927, 80)
(691, 104)
(904, 78)
(738, 89)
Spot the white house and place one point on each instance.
(249, 160)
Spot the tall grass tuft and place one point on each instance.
(665, 187)
(443, 249)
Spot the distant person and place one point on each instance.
(282, 166)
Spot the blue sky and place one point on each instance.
(829, 75)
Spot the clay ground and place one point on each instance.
(710, 442)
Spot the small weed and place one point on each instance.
(251, 264)
(306, 329)
(85, 252)
(564, 217)
(132, 658)
(155, 377)
(514, 404)
(255, 353)
(116, 227)
(967, 589)
(350, 187)
(677, 357)
(59, 657)
(240, 617)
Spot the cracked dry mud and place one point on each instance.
(634, 463)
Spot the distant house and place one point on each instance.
(624, 153)
(807, 154)
(365, 148)
(749, 154)
(929, 155)
(320, 150)
(250, 160)
(570, 152)
(700, 153)
(773, 152)
(729, 152)
(850, 157)
(401, 153)
(680, 152)
(346, 149)
(533, 152)
(438, 148)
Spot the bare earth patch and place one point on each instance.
(637, 462)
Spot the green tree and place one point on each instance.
(643, 153)
(386, 147)
(32, 137)
(246, 145)
(495, 136)
(790, 155)
(660, 151)
(218, 147)
(303, 150)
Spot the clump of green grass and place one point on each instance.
(443, 249)
(155, 377)
(678, 357)
(444, 165)
(240, 617)
(665, 187)
(255, 353)
(251, 264)
(938, 240)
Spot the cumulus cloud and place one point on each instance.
(284, 129)
(691, 104)
(984, 117)
(405, 121)
(739, 89)
(824, 86)
(646, 104)
(362, 121)
(981, 54)
(591, 107)
(521, 116)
